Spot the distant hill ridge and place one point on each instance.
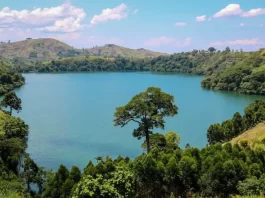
(42, 48)
(48, 48)
(112, 50)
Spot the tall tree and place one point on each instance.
(30, 171)
(227, 49)
(12, 101)
(156, 140)
(148, 110)
(212, 49)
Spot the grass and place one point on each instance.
(10, 195)
(259, 69)
(254, 137)
(237, 196)
(3, 118)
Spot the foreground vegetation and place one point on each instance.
(166, 170)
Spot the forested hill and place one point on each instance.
(111, 50)
(243, 73)
(9, 78)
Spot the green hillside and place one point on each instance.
(44, 48)
(239, 72)
(111, 50)
(255, 137)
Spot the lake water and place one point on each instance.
(71, 115)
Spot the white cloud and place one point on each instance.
(160, 41)
(181, 24)
(17, 34)
(235, 10)
(254, 12)
(201, 18)
(230, 10)
(187, 41)
(67, 2)
(65, 25)
(107, 14)
(255, 41)
(10, 33)
(242, 24)
(63, 18)
(135, 11)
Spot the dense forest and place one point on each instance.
(164, 170)
(238, 71)
(9, 78)
(246, 74)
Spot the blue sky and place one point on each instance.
(166, 26)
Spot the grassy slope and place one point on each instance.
(255, 137)
(46, 48)
(3, 118)
(112, 50)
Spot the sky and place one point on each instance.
(159, 25)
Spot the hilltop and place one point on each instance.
(111, 50)
(44, 49)
(254, 137)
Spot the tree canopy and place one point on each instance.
(148, 110)
(12, 101)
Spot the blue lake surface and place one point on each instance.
(71, 115)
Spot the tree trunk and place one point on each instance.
(28, 186)
(147, 141)
(11, 111)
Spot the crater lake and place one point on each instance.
(71, 114)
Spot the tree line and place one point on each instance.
(238, 71)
